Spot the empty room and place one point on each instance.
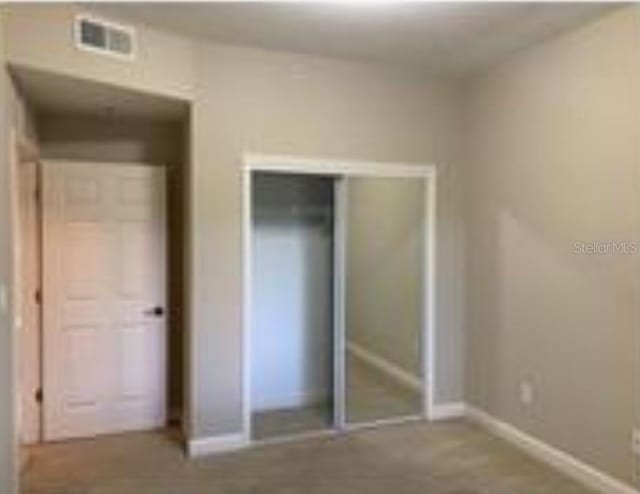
(326, 247)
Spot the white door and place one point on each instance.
(104, 326)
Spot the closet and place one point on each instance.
(341, 274)
(292, 323)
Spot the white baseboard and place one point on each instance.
(383, 365)
(569, 465)
(216, 444)
(444, 411)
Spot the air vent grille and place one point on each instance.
(104, 37)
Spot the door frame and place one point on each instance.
(21, 150)
(28, 240)
(336, 167)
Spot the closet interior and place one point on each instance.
(292, 324)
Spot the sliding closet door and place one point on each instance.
(384, 297)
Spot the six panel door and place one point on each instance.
(104, 326)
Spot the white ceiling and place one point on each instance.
(452, 38)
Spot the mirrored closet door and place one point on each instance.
(384, 294)
(339, 275)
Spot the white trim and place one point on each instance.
(335, 166)
(430, 304)
(340, 167)
(216, 444)
(385, 366)
(339, 319)
(246, 301)
(28, 316)
(12, 308)
(446, 411)
(564, 462)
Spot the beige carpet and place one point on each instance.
(444, 458)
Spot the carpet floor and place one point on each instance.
(445, 458)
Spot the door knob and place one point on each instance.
(155, 311)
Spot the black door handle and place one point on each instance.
(157, 311)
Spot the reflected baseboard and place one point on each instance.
(383, 365)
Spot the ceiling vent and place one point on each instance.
(104, 37)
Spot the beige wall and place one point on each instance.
(385, 263)
(40, 36)
(267, 102)
(554, 159)
(21, 114)
(118, 139)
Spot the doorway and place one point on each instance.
(339, 300)
(93, 304)
(100, 211)
(28, 261)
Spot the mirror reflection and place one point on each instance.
(383, 298)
